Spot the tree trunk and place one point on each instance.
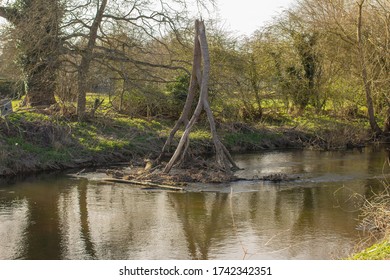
(223, 158)
(367, 82)
(85, 63)
(41, 86)
(36, 28)
(194, 84)
(254, 78)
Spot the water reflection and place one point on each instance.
(311, 218)
(13, 221)
(203, 218)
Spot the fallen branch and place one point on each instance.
(149, 185)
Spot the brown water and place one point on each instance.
(59, 217)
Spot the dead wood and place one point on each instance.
(201, 76)
(194, 82)
(149, 185)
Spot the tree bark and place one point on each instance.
(366, 81)
(194, 84)
(223, 158)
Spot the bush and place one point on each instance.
(145, 102)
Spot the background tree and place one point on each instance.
(351, 25)
(35, 27)
(297, 58)
(93, 37)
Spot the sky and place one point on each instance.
(246, 16)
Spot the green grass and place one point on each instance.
(28, 116)
(200, 134)
(113, 134)
(379, 251)
(232, 139)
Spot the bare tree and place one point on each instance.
(363, 64)
(86, 58)
(107, 33)
(350, 25)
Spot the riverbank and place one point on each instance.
(375, 216)
(36, 141)
(378, 251)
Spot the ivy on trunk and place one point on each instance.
(36, 25)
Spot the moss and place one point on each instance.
(201, 135)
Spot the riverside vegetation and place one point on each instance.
(43, 140)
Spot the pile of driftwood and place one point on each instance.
(177, 179)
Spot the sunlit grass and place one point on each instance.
(379, 251)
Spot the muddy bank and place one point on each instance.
(31, 164)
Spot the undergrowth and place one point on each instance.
(375, 219)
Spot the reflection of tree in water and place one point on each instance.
(305, 220)
(85, 230)
(12, 241)
(202, 216)
(43, 236)
(106, 232)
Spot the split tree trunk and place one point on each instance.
(194, 83)
(199, 78)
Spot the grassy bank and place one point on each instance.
(378, 251)
(375, 216)
(33, 140)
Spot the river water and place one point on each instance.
(312, 217)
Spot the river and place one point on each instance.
(57, 216)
